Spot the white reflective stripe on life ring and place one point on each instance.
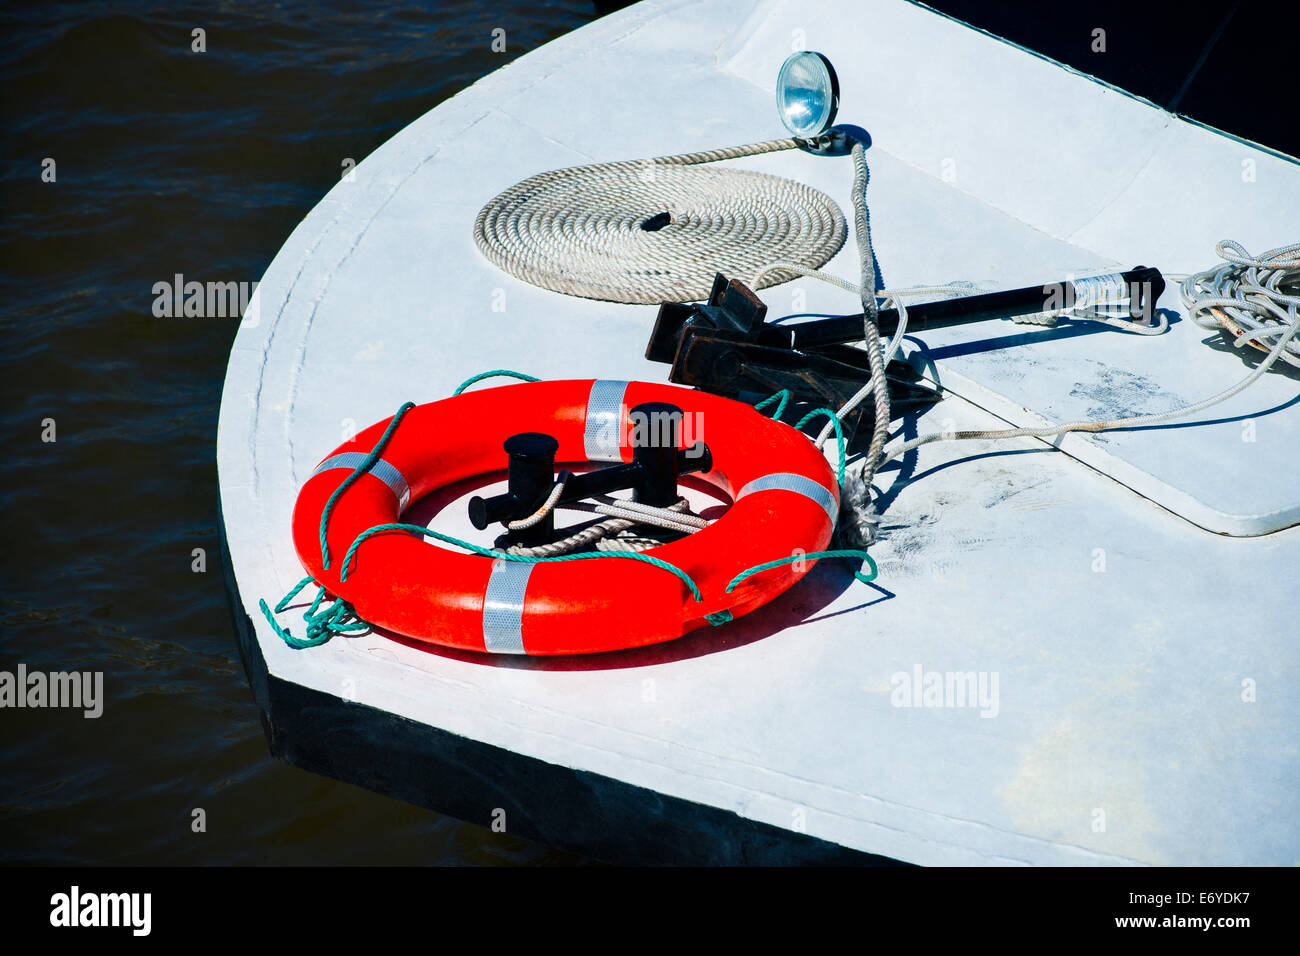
(380, 469)
(503, 606)
(800, 484)
(604, 431)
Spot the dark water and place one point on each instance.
(171, 161)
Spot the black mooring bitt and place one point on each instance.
(652, 474)
(530, 464)
(656, 433)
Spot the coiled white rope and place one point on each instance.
(582, 230)
(1253, 297)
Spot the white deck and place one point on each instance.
(1120, 690)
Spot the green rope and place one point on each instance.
(490, 553)
(360, 470)
(492, 374)
(812, 555)
(839, 435)
(783, 395)
(321, 625)
(378, 450)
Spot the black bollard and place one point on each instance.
(531, 460)
(656, 433)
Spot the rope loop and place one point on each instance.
(657, 230)
(810, 556)
(338, 618)
(495, 373)
(839, 436)
(783, 395)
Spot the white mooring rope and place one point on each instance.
(858, 521)
(613, 534)
(582, 231)
(1257, 298)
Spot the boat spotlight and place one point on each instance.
(807, 95)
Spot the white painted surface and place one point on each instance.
(1120, 690)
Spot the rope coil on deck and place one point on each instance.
(1255, 298)
(657, 230)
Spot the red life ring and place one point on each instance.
(784, 494)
